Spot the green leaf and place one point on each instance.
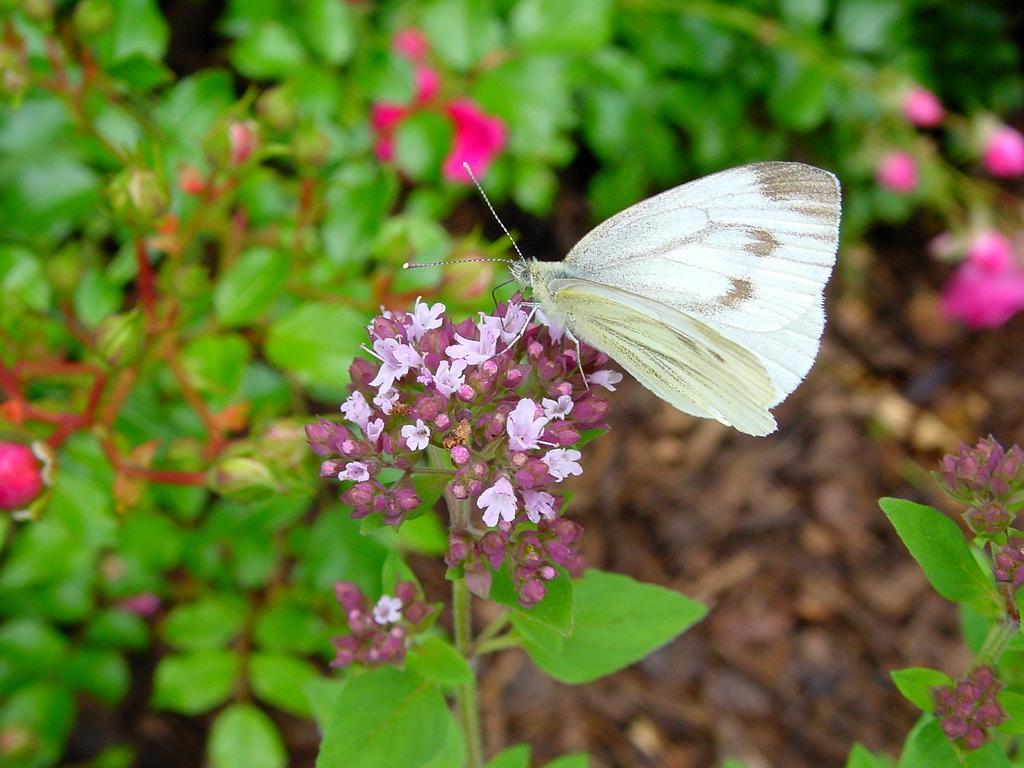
(424, 535)
(140, 72)
(395, 570)
(809, 12)
(45, 710)
(435, 659)
(118, 629)
(861, 757)
(927, 747)
(916, 685)
(329, 30)
(989, 756)
(799, 96)
(355, 211)
(322, 694)
(96, 297)
(215, 364)
(22, 279)
(517, 756)
(242, 736)
(138, 28)
(422, 141)
(194, 683)
(575, 760)
(292, 628)
(280, 680)
(554, 611)
(384, 717)
(1013, 704)
(316, 343)
(940, 549)
(618, 621)
(208, 623)
(103, 673)
(555, 26)
(270, 51)
(460, 31)
(28, 649)
(453, 753)
(250, 285)
(867, 25)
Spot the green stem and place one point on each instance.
(999, 636)
(466, 700)
(508, 640)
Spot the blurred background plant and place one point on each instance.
(201, 206)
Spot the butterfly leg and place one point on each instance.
(579, 357)
(526, 326)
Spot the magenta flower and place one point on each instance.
(1003, 154)
(981, 297)
(412, 44)
(897, 171)
(971, 708)
(923, 108)
(356, 409)
(21, 479)
(144, 604)
(380, 635)
(355, 470)
(991, 251)
(242, 140)
(479, 139)
(396, 360)
(424, 318)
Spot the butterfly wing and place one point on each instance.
(747, 252)
(749, 248)
(679, 358)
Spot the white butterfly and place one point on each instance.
(709, 294)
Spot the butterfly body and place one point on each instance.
(709, 294)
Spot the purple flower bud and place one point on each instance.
(531, 593)
(443, 421)
(361, 498)
(562, 388)
(466, 393)
(417, 612)
(478, 579)
(321, 436)
(492, 546)
(406, 592)
(513, 378)
(361, 372)
(434, 343)
(547, 573)
(384, 328)
(331, 468)
(954, 728)
(349, 596)
(458, 550)
(589, 412)
(345, 648)
(460, 455)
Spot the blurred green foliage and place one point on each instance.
(193, 239)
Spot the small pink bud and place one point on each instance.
(991, 251)
(923, 108)
(145, 604)
(897, 171)
(428, 83)
(242, 138)
(1003, 154)
(460, 455)
(190, 180)
(412, 44)
(20, 478)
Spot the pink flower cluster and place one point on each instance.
(897, 171)
(990, 479)
(478, 137)
(379, 635)
(1003, 153)
(500, 403)
(970, 709)
(987, 288)
(1008, 563)
(21, 477)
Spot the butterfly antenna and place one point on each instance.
(494, 213)
(410, 265)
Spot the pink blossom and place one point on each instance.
(417, 436)
(524, 427)
(475, 351)
(356, 409)
(539, 504)
(1004, 152)
(898, 172)
(424, 318)
(498, 501)
(991, 251)
(20, 476)
(922, 107)
(606, 378)
(388, 610)
(412, 44)
(355, 470)
(983, 298)
(557, 409)
(396, 359)
(479, 138)
(563, 462)
(386, 401)
(449, 377)
(373, 430)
